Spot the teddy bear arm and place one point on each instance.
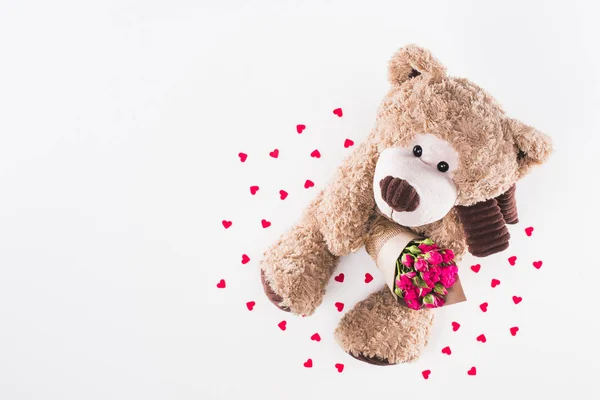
(347, 203)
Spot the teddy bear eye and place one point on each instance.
(417, 151)
(443, 166)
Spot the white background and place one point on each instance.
(120, 125)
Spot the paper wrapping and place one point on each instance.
(385, 243)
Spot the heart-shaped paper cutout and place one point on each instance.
(283, 194)
(517, 299)
(274, 153)
(300, 128)
(265, 223)
(348, 143)
(481, 338)
(250, 305)
(221, 284)
(455, 326)
(475, 268)
(446, 350)
(338, 112)
(308, 184)
(495, 282)
(484, 306)
(537, 264)
(529, 231)
(339, 306)
(368, 277)
(242, 156)
(315, 154)
(316, 337)
(282, 325)
(254, 189)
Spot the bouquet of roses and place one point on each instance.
(424, 273)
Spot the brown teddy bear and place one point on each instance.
(441, 162)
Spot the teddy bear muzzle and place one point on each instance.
(399, 194)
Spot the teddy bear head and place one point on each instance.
(443, 142)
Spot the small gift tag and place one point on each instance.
(386, 244)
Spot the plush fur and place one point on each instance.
(494, 152)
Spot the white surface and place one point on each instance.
(120, 124)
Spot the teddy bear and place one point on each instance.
(441, 162)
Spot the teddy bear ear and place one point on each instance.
(532, 147)
(412, 61)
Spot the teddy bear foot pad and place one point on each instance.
(271, 295)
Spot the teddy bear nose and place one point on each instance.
(399, 194)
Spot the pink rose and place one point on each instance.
(412, 303)
(421, 265)
(439, 301)
(408, 260)
(424, 291)
(433, 257)
(405, 282)
(432, 276)
(448, 255)
(426, 247)
(448, 276)
(411, 293)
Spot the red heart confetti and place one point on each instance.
(283, 194)
(339, 367)
(316, 337)
(512, 260)
(250, 305)
(339, 278)
(254, 189)
(300, 128)
(308, 184)
(308, 363)
(245, 259)
(537, 264)
(368, 277)
(529, 231)
(282, 325)
(472, 371)
(455, 326)
(226, 224)
(274, 153)
(221, 284)
(481, 338)
(338, 112)
(315, 154)
(517, 299)
(446, 350)
(339, 306)
(348, 143)
(426, 374)
(495, 282)
(483, 306)
(265, 223)
(475, 268)
(242, 156)
(514, 330)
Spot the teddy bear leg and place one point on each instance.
(297, 268)
(380, 331)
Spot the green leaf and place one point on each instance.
(429, 299)
(419, 282)
(440, 289)
(428, 242)
(414, 249)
